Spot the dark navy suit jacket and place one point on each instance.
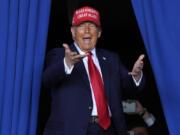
(71, 105)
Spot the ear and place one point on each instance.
(99, 33)
(73, 31)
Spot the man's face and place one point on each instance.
(86, 35)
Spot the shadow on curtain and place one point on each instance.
(23, 32)
(159, 23)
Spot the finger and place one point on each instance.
(140, 62)
(139, 65)
(137, 102)
(79, 57)
(141, 57)
(130, 100)
(73, 53)
(137, 70)
(133, 73)
(130, 73)
(66, 46)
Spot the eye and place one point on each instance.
(81, 26)
(92, 26)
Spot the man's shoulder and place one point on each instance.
(56, 50)
(107, 52)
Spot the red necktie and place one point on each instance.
(99, 93)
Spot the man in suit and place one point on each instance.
(86, 82)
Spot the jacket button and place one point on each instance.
(90, 107)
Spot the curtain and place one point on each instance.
(159, 23)
(23, 33)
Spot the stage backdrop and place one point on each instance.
(23, 33)
(159, 23)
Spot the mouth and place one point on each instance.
(87, 40)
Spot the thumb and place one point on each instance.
(66, 46)
(131, 73)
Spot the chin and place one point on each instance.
(88, 48)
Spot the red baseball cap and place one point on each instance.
(86, 14)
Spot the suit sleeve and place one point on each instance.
(54, 71)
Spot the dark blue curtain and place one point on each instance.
(23, 33)
(159, 23)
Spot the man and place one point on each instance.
(86, 82)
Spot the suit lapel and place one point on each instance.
(79, 68)
(103, 62)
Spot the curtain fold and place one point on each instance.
(23, 33)
(159, 23)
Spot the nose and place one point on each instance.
(87, 29)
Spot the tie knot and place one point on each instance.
(90, 54)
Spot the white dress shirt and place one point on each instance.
(96, 62)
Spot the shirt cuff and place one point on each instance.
(150, 121)
(67, 69)
(138, 83)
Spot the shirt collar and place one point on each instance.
(81, 52)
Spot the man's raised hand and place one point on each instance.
(137, 68)
(71, 57)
